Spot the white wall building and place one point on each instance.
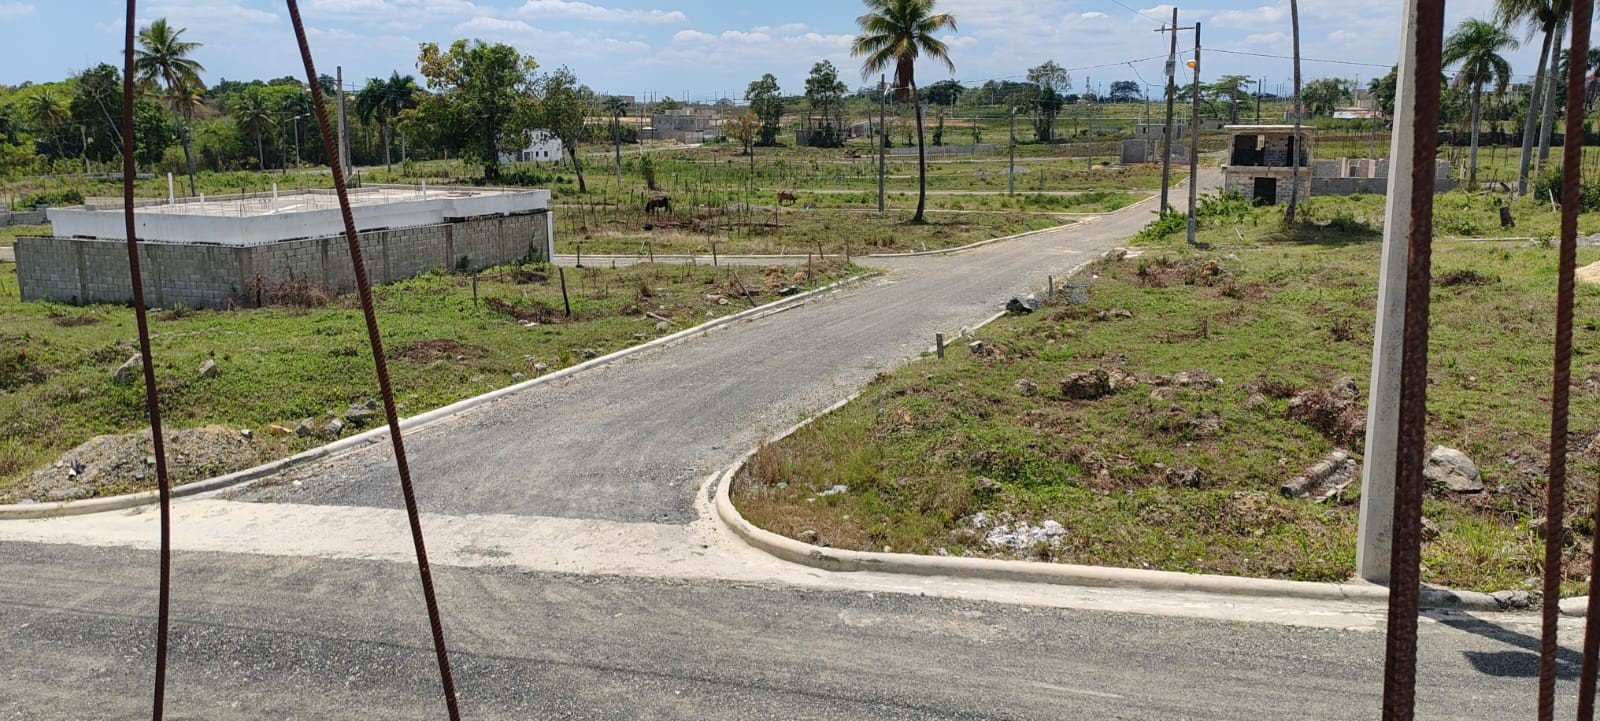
(543, 147)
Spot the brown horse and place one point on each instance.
(659, 202)
(784, 195)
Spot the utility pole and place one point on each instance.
(1172, 92)
(1011, 175)
(344, 146)
(1258, 101)
(1375, 529)
(1194, 137)
(883, 133)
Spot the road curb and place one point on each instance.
(839, 560)
(19, 511)
(973, 246)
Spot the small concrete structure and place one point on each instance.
(1259, 163)
(543, 147)
(221, 252)
(1138, 150)
(1351, 176)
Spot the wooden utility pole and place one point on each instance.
(1172, 92)
(1294, 156)
(1194, 138)
(1011, 173)
(344, 144)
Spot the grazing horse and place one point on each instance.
(786, 195)
(659, 202)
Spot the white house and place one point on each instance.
(543, 147)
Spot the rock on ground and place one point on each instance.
(1453, 469)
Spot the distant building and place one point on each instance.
(543, 147)
(1260, 164)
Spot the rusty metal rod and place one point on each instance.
(1400, 657)
(364, 288)
(1556, 490)
(152, 400)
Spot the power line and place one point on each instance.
(1302, 58)
(1118, 3)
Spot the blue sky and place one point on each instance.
(709, 48)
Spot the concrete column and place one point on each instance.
(1376, 529)
(550, 235)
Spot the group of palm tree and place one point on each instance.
(1476, 48)
(162, 62)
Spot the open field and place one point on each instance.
(1160, 472)
(445, 339)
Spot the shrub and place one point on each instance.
(54, 198)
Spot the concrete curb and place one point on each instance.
(972, 246)
(422, 420)
(831, 559)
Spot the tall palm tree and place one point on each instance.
(1540, 16)
(897, 32)
(383, 100)
(617, 107)
(47, 112)
(1476, 45)
(254, 115)
(163, 57)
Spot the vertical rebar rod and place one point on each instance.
(364, 288)
(1556, 490)
(1400, 657)
(1572, 175)
(152, 400)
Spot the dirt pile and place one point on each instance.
(109, 465)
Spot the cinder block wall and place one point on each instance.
(81, 271)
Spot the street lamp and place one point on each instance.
(296, 121)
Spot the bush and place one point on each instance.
(1549, 184)
(53, 198)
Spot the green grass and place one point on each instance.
(9, 234)
(281, 365)
(926, 448)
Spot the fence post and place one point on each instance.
(564, 301)
(938, 344)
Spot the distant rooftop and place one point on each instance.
(1268, 129)
(261, 218)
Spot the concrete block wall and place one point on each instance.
(1245, 185)
(79, 271)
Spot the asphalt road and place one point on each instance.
(580, 579)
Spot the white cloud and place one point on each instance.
(12, 11)
(1266, 39)
(485, 25)
(693, 36)
(1092, 15)
(1252, 18)
(568, 10)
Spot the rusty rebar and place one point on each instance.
(1400, 657)
(152, 400)
(1556, 489)
(364, 289)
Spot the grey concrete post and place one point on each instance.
(1375, 534)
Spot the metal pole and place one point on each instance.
(1194, 138)
(344, 144)
(883, 133)
(1172, 94)
(1258, 101)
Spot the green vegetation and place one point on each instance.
(9, 234)
(283, 364)
(1184, 477)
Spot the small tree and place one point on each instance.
(825, 95)
(767, 104)
(563, 106)
(743, 129)
(1049, 82)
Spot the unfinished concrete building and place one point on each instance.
(1259, 163)
(223, 251)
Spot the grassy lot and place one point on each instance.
(9, 234)
(772, 230)
(1186, 478)
(280, 365)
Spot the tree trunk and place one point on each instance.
(1294, 159)
(261, 150)
(1548, 117)
(1472, 156)
(383, 132)
(1528, 127)
(572, 150)
(188, 157)
(922, 159)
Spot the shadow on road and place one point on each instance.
(1523, 663)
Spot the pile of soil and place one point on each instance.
(109, 465)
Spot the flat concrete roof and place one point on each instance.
(271, 217)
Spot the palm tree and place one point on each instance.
(162, 56)
(897, 32)
(1541, 16)
(617, 107)
(1477, 45)
(383, 100)
(47, 111)
(253, 114)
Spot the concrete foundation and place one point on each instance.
(92, 270)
